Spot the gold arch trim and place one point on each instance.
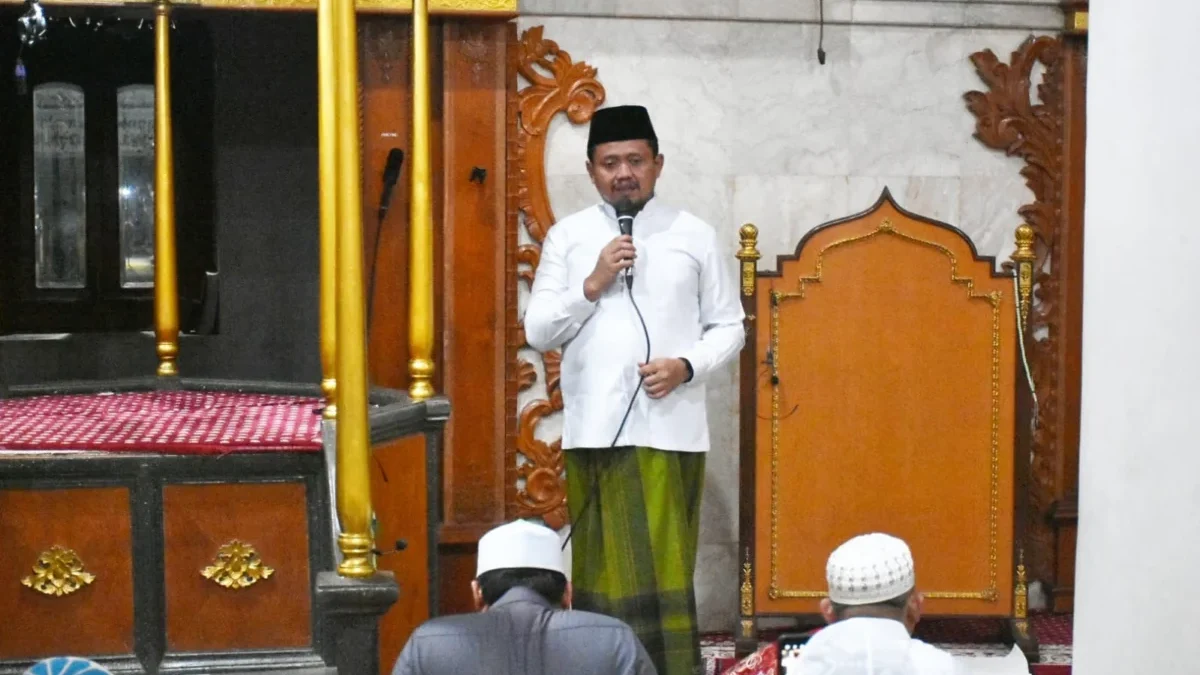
(498, 7)
(885, 228)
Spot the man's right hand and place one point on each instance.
(618, 255)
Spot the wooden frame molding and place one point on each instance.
(1048, 136)
(492, 8)
(557, 84)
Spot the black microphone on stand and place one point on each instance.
(391, 174)
(625, 223)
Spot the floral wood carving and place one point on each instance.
(1008, 121)
(557, 84)
(385, 47)
(58, 572)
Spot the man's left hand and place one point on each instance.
(662, 376)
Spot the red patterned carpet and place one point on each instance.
(177, 422)
(969, 637)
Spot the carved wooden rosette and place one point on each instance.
(556, 85)
(1008, 121)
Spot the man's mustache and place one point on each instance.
(621, 185)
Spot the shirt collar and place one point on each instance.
(518, 594)
(647, 210)
(888, 628)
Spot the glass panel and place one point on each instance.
(59, 186)
(135, 166)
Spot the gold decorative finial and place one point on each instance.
(421, 387)
(1024, 256)
(237, 566)
(1024, 239)
(747, 587)
(1021, 596)
(1077, 22)
(749, 256)
(58, 572)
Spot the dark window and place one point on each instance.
(77, 174)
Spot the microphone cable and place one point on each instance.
(371, 275)
(595, 488)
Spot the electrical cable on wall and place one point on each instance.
(821, 32)
(1033, 417)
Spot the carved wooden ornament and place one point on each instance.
(1007, 120)
(556, 85)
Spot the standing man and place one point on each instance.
(636, 353)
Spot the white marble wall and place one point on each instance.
(1040, 14)
(755, 130)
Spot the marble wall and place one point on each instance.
(754, 129)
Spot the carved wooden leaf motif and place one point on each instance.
(566, 87)
(1008, 121)
(528, 255)
(557, 84)
(526, 374)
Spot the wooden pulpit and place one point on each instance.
(883, 391)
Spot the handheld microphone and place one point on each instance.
(391, 174)
(625, 223)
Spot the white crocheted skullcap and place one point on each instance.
(870, 568)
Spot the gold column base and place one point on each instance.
(357, 561)
(329, 389)
(167, 353)
(421, 371)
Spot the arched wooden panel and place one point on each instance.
(885, 402)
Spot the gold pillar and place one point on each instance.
(166, 291)
(327, 133)
(353, 434)
(420, 280)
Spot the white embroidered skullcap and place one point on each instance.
(520, 544)
(868, 569)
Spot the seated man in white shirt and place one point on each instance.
(873, 607)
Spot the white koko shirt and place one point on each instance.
(688, 295)
(871, 646)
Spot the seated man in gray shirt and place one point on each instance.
(525, 625)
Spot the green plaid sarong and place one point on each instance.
(634, 550)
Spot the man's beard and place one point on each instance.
(628, 205)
